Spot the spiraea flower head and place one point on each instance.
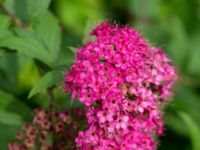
(123, 82)
(49, 131)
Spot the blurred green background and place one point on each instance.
(172, 25)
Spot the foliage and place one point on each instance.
(38, 40)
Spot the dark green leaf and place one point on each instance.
(185, 99)
(9, 66)
(9, 103)
(8, 132)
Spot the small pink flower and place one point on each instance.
(122, 122)
(104, 116)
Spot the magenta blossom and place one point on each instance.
(123, 82)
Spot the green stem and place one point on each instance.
(52, 104)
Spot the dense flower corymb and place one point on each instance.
(49, 131)
(123, 82)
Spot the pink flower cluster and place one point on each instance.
(124, 83)
(49, 131)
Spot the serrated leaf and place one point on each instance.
(25, 33)
(16, 8)
(28, 46)
(49, 79)
(10, 118)
(193, 130)
(47, 27)
(9, 103)
(37, 7)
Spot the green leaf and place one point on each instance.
(28, 46)
(181, 102)
(194, 61)
(186, 100)
(91, 23)
(8, 132)
(23, 33)
(149, 8)
(5, 21)
(73, 49)
(4, 33)
(37, 7)
(49, 79)
(10, 118)
(18, 9)
(9, 66)
(47, 27)
(9, 103)
(74, 14)
(193, 129)
(178, 46)
(67, 56)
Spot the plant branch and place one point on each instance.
(52, 104)
(12, 17)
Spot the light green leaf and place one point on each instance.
(37, 7)
(47, 27)
(5, 21)
(28, 46)
(73, 49)
(193, 129)
(91, 23)
(74, 14)
(49, 79)
(10, 118)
